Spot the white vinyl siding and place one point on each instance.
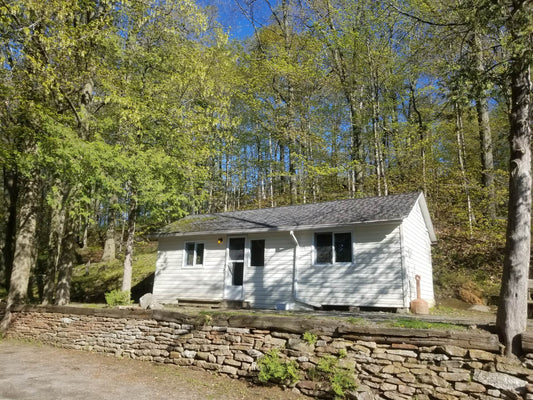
(266, 286)
(417, 255)
(173, 280)
(373, 279)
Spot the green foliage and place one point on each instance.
(91, 280)
(310, 338)
(340, 379)
(275, 369)
(118, 298)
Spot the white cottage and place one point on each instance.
(357, 252)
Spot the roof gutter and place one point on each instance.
(295, 297)
(276, 229)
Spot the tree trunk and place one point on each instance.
(512, 311)
(487, 164)
(25, 250)
(10, 221)
(65, 264)
(461, 155)
(57, 231)
(109, 246)
(485, 135)
(128, 256)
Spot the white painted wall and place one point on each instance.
(373, 279)
(417, 254)
(175, 281)
(264, 287)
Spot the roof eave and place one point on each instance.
(275, 229)
(427, 217)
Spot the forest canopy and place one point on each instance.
(122, 116)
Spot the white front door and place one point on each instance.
(234, 278)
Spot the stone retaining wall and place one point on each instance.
(386, 363)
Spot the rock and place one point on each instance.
(455, 376)
(433, 380)
(498, 380)
(481, 355)
(479, 308)
(470, 387)
(156, 306)
(148, 302)
(453, 351)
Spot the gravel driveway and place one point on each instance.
(36, 371)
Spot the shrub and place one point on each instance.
(118, 298)
(340, 379)
(272, 368)
(310, 338)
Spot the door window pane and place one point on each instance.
(236, 248)
(238, 273)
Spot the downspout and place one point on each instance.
(294, 277)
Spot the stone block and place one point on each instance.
(243, 357)
(407, 377)
(455, 376)
(498, 380)
(481, 355)
(369, 345)
(394, 369)
(254, 353)
(227, 369)
(393, 395)
(433, 357)
(189, 354)
(452, 351)
(407, 390)
(386, 387)
(232, 362)
(300, 345)
(433, 380)
(470, 387)
(403, 353)
(512, 369)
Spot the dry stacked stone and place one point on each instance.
(384, 367)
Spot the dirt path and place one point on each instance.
(35, 371)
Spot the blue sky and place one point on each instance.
(232, 19)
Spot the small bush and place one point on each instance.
(310, 338)
(118, 298)
(340, 379)
(274, 369)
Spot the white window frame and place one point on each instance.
(195, 254)
(334, 262)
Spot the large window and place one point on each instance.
(194, 254)
(257, 253)
(333, 247)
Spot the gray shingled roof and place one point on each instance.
(340, 212)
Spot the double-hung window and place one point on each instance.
(194, 254)
(333, 248)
